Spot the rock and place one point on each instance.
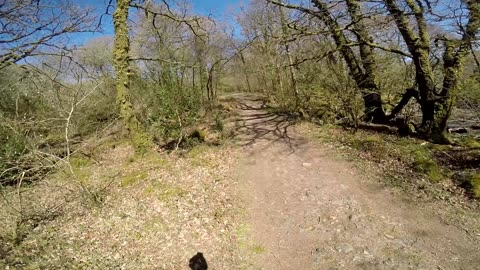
(460, 130)
(307, 165)
(345, 248)
(389, 236)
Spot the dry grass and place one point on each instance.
(150, 212)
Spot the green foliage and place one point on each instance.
(218, 125)
(141, 142)
(12, 146)
(166, 109)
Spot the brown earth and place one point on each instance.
(308, 209)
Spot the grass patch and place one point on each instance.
(171, 192)
(424, 162)
(198, 157)
(242, 236)
(133, 178)
(165, 192)
(384, 148)
(468, 142)
(198, 151)
(258, 249)
(80, 162)
(474, 184)
(154, 160)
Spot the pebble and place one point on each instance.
(345, 248)
(307, 165)
(389, 236)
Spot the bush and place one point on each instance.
(12, 146)
(166, 109)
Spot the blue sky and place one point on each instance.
(218, 9)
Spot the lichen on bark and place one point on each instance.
(139, 138)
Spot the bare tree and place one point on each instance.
(363, 68)
(37, 27)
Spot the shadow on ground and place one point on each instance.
(257, 122)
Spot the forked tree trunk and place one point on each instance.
(436, 107)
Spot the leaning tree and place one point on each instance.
(411, 19)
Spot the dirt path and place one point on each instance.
(308, 210)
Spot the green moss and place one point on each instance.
(141, 142)
(474, 181)
(165, 191)
(155, 160)
(368, 143)
(469, 142)
(257, 249)
(133, 178)
(80, 162)
(424, 162)
(171, 192)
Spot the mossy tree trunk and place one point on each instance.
(123, 75)
(436, 107)
(364, 74)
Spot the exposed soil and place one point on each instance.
(308, 209)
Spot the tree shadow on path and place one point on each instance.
(257, 123)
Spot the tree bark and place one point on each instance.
(436, 107)
(293, 73)
(364, 78)
(123, 75)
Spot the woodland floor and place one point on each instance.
(271, 198)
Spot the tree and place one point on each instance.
(123, 76)
(36, 27)
(363, 68)
(436, 104)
